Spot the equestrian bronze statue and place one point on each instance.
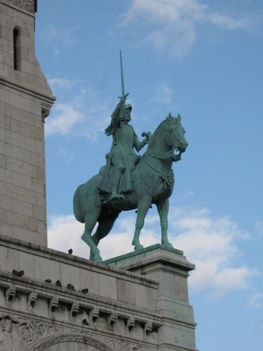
(129, 181)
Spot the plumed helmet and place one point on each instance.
(126, 107)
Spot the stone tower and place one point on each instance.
(25, 101)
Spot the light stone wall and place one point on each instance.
(119, 310)
(25, 100)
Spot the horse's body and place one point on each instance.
(152, 183)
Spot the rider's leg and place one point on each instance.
(117, 170)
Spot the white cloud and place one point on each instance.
(227, 22)
(256, 300)
(66, 116)
(60, 83)
(85, 115)
(163, 95)
(64, 232)
(61, 36)
(172, 23)
(259, 228)
(211, 243)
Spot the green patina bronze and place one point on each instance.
(129, 181)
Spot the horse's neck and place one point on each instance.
(160, 156)
(158, 148)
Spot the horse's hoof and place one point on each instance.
(96, 258)
(167, 245)
(138, 247)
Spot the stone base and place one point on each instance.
(67, 302)
(170, 269)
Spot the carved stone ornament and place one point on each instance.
(124, 346)
(32, 331)
(6, 329)
(71, 337)
(28, 5)
(44, 114)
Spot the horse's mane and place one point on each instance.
(156, 135)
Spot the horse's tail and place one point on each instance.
(77, 208)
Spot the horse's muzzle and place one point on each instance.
(182, 147)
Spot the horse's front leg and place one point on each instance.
(143, 206)
(163, 209)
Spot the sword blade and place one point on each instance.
(122, 79)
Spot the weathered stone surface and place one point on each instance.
(65, 302)
(23, 93)
(170, 268)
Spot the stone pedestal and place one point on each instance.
(170, 269)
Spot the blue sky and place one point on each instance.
(202, 59)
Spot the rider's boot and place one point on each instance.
(116, 181)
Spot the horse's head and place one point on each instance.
(174, 133)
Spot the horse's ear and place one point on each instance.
(169, 117)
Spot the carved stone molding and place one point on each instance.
(28, 5)
(10, 295)
(35, 335)
(31, 331)
(70, 337)
(44, 114)
(32, 298)
(6, 323)
(125, 346)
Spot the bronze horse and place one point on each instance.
(152, 184)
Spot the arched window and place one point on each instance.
(16, 48)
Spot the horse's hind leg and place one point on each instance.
(90, 221)
(105, 224)
(143, 207)
(163, 209)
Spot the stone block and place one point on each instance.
(89, 280)
(2, 188)
(39, 213)
(37, 186)
(17, 114)
(22, 194)
(108, 286)
(38, 173)
(3, 215)
(6, 229)
(22, 221)
(2, 159)
(4, 122)
(69, 275)
(48, 269)
(22, 207)
(20, 167)
(19, 180)
(19, 127)
(5, 202)
(42, 228)
(23, 234)
(37, 133)
(126, 292)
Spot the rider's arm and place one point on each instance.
(138, 145)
